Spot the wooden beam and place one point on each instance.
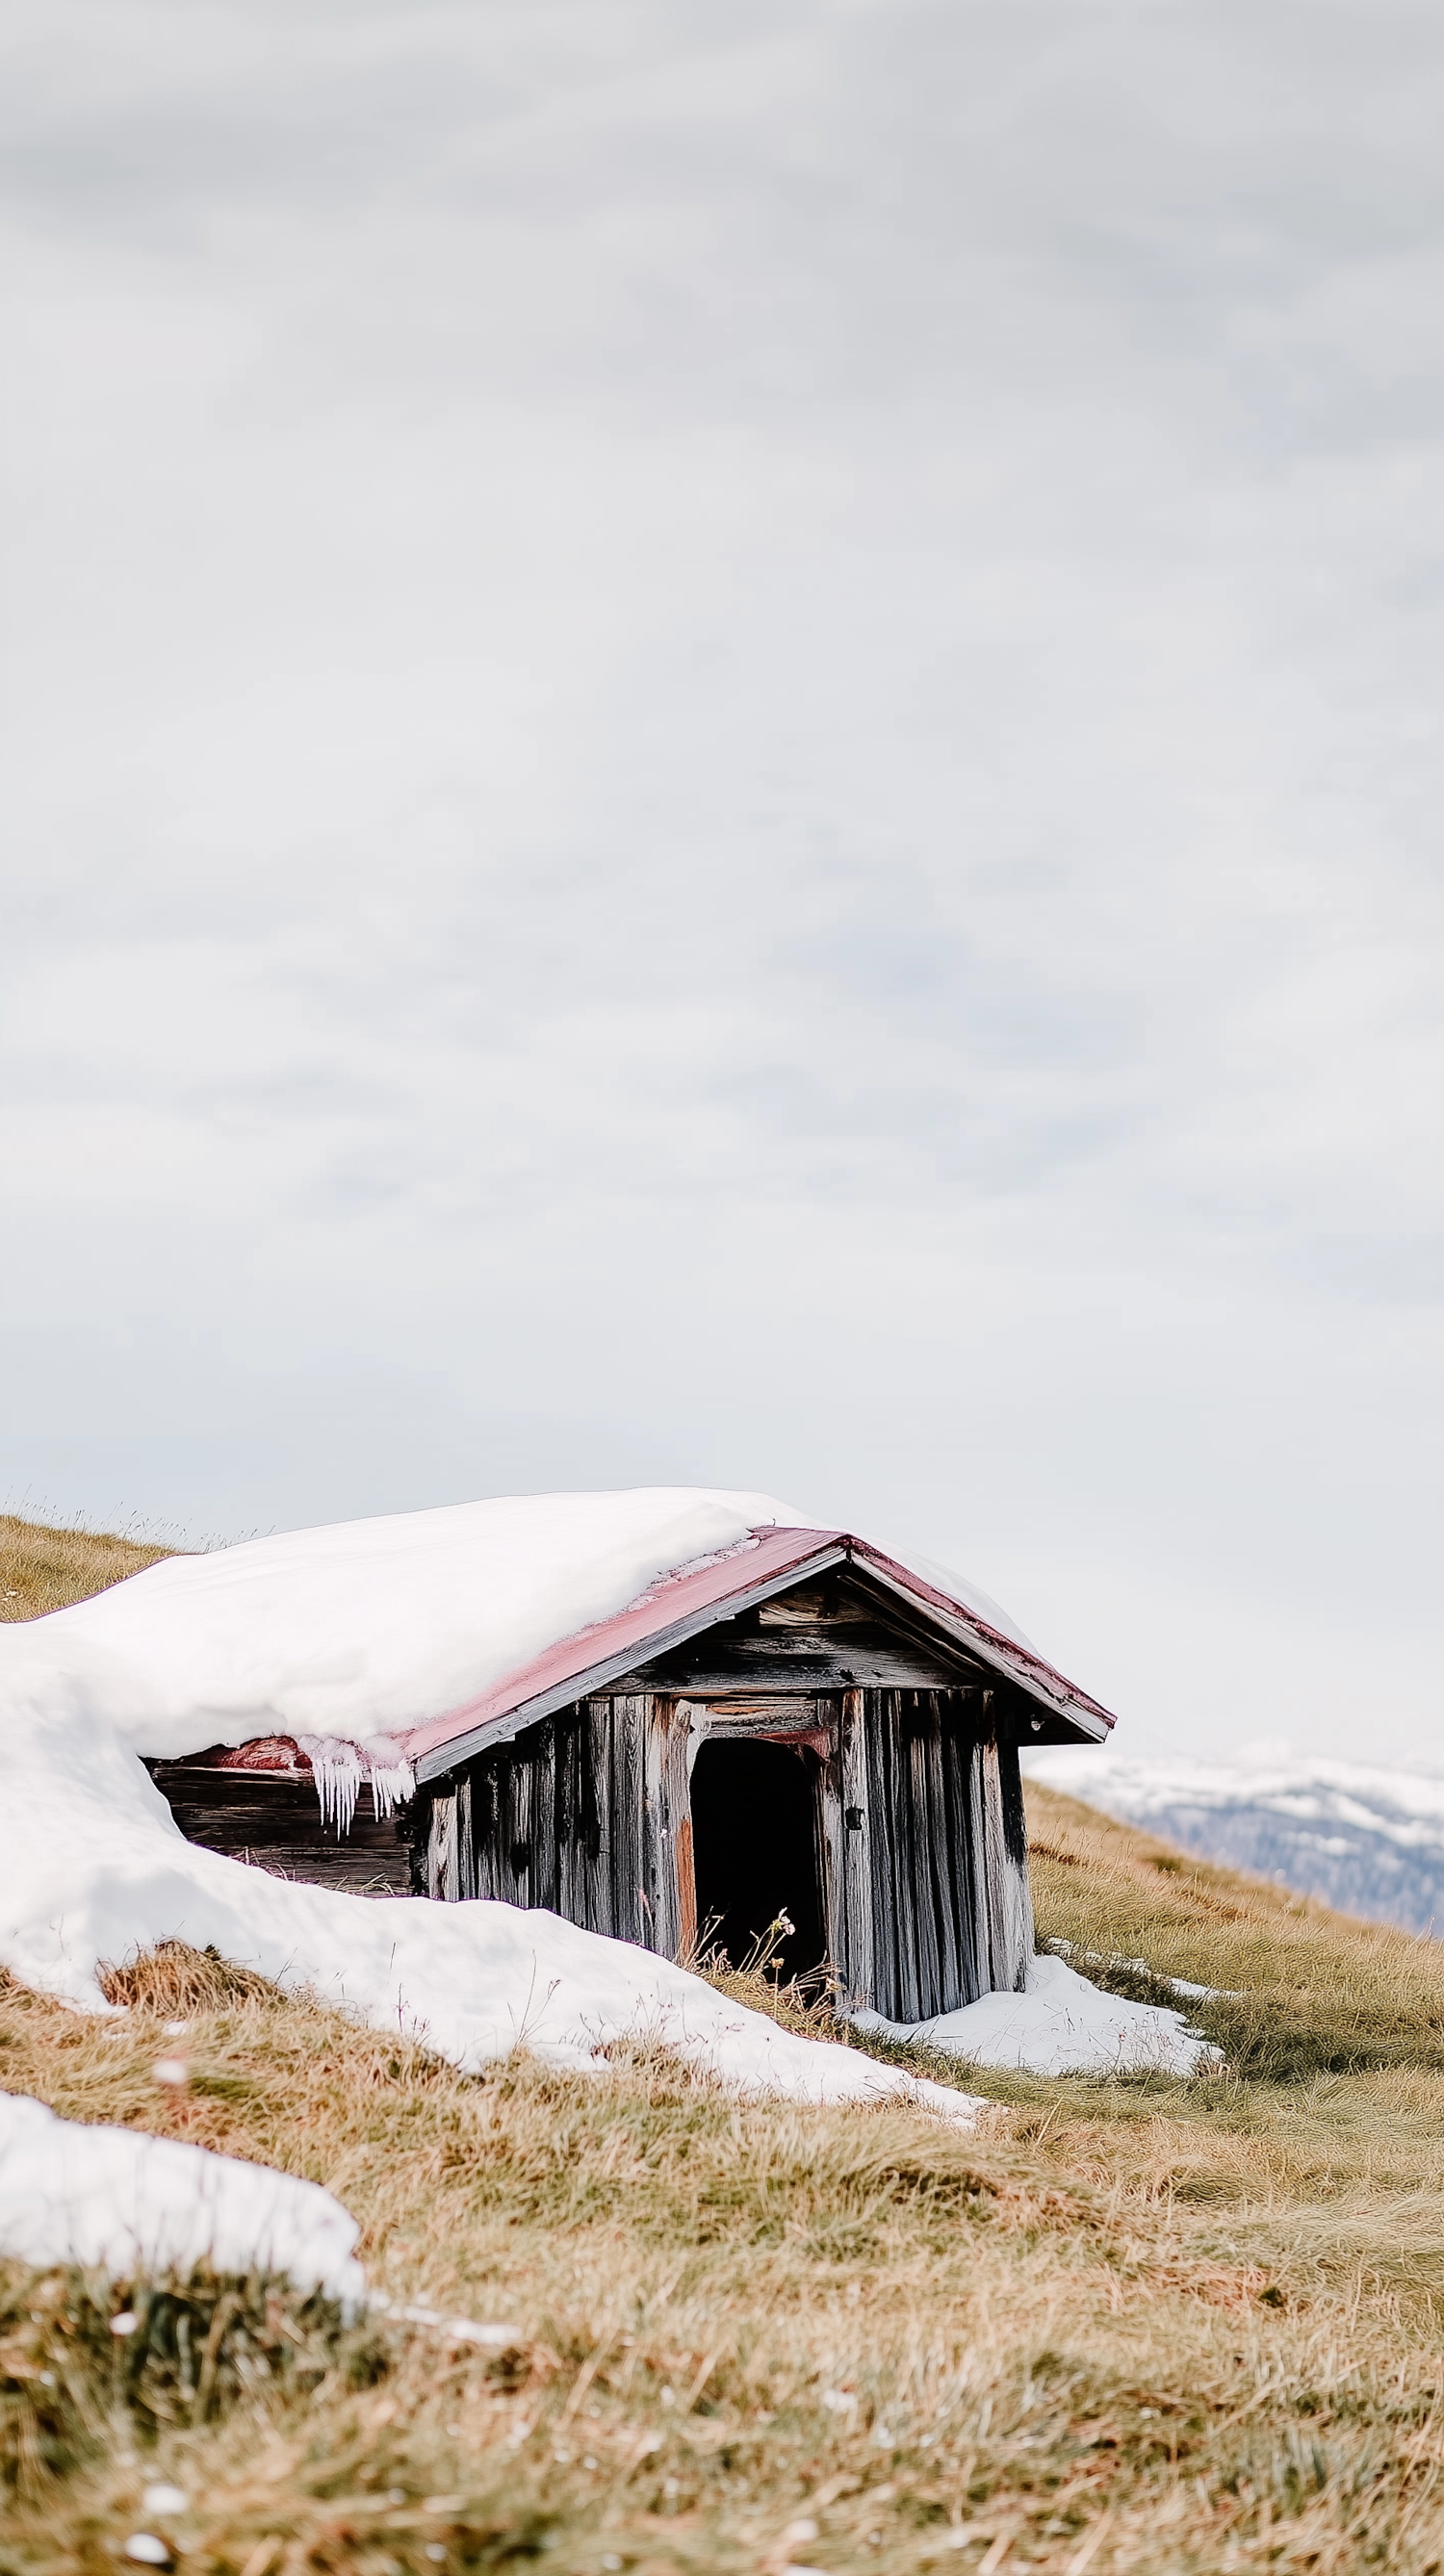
(804, 1665)
(765, 1713)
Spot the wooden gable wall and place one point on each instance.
(922, 1849)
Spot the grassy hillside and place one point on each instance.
(45, 1569)
(1137, 2325)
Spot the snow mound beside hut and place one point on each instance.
(1061, 2025)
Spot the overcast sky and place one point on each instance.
(724, 766)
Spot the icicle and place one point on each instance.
(339, 1767)
(336, 1767)
(392, 1779)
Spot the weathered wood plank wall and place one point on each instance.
(920, 1824)
(273, 1819)
(951, 1918)
(580, 1814)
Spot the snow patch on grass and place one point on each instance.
(116, 2201)
(1060, 2025)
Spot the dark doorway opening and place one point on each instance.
(755, 1847)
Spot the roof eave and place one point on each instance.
(1089, 1720)
(590, 1679)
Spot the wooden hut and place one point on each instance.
(806, 1730)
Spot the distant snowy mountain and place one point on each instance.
(1360, 1836)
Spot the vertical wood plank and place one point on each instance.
(465, 1840)
(441, 1850)
(686, 1892)
(882, 1793)
(832, 1857)
(893, 1861)
(666, 1804)
(544, 1887)
(491, 1878)
(927, 1853)
(1018, 1929)
(518, 1854)
(978, 1846)
(1009, 1901)
(657, 1879)
(568, 1896)
(944, 1853)
(860, 1974)
(597, 1817)
(960, 1748)
(576, 1874)
(629, 1889)
(679, 1829)
(503, 1826)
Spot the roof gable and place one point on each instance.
(675, 1611)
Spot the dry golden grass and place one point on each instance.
(1319, 1992)
(1128, 2325)
(46, 1569)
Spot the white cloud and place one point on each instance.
(723, 765)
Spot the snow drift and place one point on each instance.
(364, 1630)
(1062, 2025)
(144, 2208)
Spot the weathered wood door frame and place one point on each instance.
(810, 1721)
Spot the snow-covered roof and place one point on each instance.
(681, 1605)
(419, 1636)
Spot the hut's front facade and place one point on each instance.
(805, 1732)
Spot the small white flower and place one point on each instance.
(151, 2552)
(125, 2323)
(170, 2070)
(165, 2500)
